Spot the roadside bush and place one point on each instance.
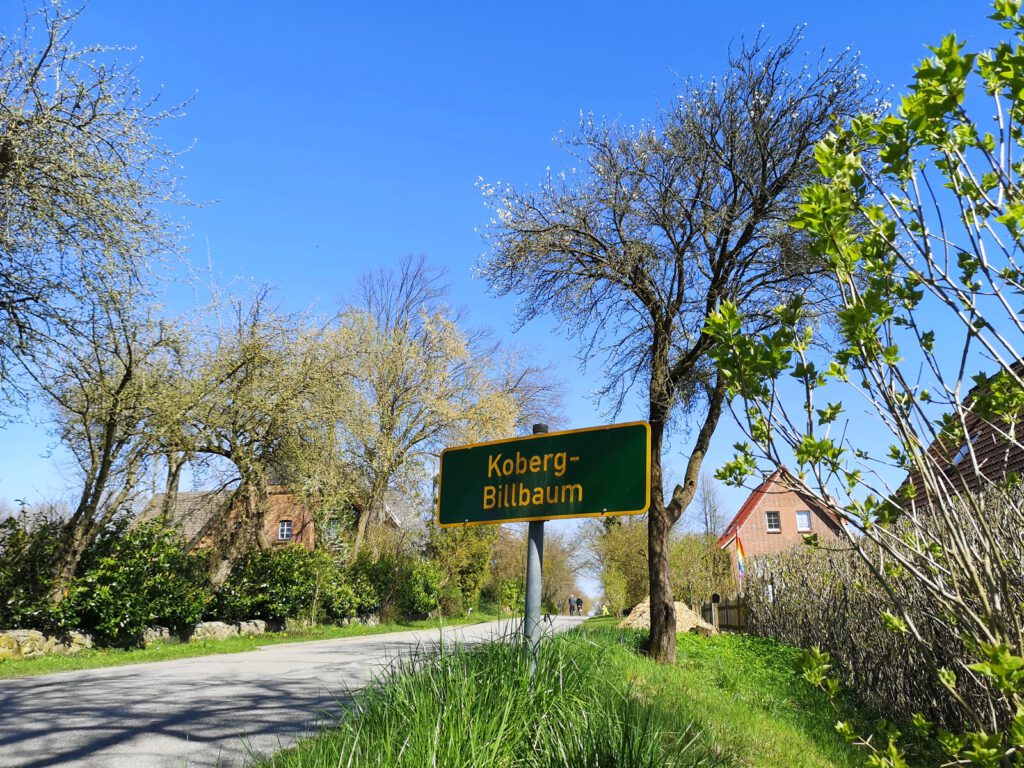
(291, 582)
(405, 585)
(502, 596)
(365, 600)
(146, 579)
(340, 602)
(28, 544)
(463, 556)
(420, 591)
(451, 601)
(348, 596)
(487, 606)
(272, 584)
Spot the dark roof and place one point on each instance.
(996, 454)
(191, 514)
(780, 476)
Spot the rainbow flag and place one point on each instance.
(739, 558)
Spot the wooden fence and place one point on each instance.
(729, 614)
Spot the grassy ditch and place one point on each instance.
(596, 701)
(113, 657)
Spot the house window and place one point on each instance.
(284, 530)
(774, 524)
(803, 520)
(965, 449)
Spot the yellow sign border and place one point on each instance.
(647, 477)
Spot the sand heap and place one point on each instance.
(686, 620)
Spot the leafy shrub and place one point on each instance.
(463, 555)
(451, 601)
(340, 601)
(347, 596)
(420, 591)
(273, 584)
(404, 584)
(28, 548)
(146, 579)
(366, 600)
(291, 582)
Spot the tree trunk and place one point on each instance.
(175, 463)
(76, 541)
(661, 646)
(93, 514)
(364, 519)
(257, 500)
(661, 517)
(662, 643)
(374, 507)
(242, 528)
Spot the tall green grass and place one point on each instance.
(596, 702)
(479, 706)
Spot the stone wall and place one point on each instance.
(218, 630)
(30, 643)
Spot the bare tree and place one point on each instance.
(81, 174)
(710, 507)
(668, 221)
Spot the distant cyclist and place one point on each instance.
(579, 606)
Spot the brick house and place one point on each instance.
(194, 514)
(776, 516)
(287, 521)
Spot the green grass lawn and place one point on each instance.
(745, 698)
(730, 700)
(112, 657)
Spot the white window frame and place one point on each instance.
(768, 521)
(965, 449)
(803, 528)
(282, 526)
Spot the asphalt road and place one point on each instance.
(205, 711)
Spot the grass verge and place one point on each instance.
(113, 657)
(596, 701)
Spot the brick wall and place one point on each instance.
(282, 505)
(758, 540)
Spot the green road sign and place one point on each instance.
(592, 472)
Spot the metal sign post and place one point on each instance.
(534, 569)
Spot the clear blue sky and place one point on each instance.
(335, 137)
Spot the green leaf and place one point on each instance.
(893, 622)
